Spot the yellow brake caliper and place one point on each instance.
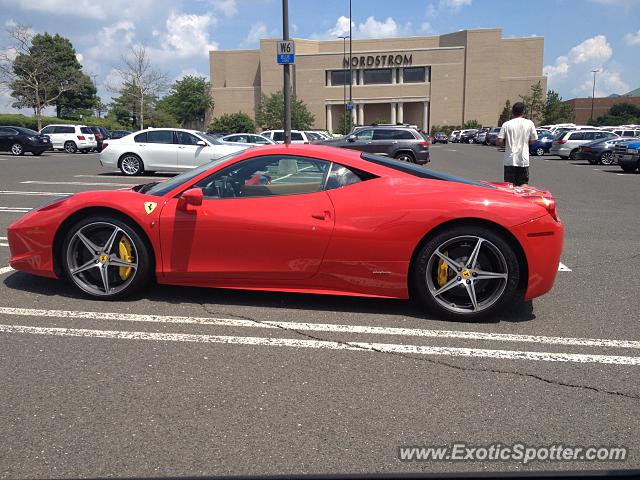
(124, 249)
(443, 271)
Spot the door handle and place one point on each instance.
(321, 216)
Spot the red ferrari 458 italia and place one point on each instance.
(304, 218)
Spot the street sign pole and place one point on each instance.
(287, 89)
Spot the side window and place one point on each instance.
(62, 129)
(278, 136)
(160, 136)
(576, 136)
(628, 133)
(382, 134)
(402, 135)
(86, 130)
(5, 131)
(296, 136)
(341, 176)
(46, 130)
(363, 135)
(185, 138)
(259, 140)
(589, 135)
(266, 176)
(141, 138)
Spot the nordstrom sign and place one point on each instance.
(367, 61)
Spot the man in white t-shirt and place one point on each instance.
(516, 135)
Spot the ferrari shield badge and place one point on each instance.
(149, 207)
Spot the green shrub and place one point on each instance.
(233, 123)
(19, 120)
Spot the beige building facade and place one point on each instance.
(432, 80)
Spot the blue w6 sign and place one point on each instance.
(286, 52)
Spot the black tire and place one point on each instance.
(629, 168)
(563, 157)
(593, 161)
(70, 147)
(405, 157)
(572, 154)
(506, 289)
(131, 165)
(141, 275)
(37, 153)
(16, 149)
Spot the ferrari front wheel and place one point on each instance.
(106, 257)
(466, 273)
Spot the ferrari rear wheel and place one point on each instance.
(466, 273)
(106, 257)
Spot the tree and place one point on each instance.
(80, 100)
(100, 107)
(345, 124)
(506, 113)
(38, 69)
(471, 124)
(188, 100)
(620, 114)
(534, 104)
(556, 111)
(140, 79)
(270, 114)
(233, 123)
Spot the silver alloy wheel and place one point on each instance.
(539, 151)
(17, 149)
(405, 157)
(476, 277)
(130, 165)
(70, 147)
(92, 262)
(607, 158)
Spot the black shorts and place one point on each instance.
(516, 175)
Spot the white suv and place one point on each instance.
(565, 144)
(278, 136)
(71, 138)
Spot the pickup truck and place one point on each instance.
(627, 155)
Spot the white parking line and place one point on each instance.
(4, 270)
(563, 268)
(326, 345)
(118, 176)
(86, 184)
(47, 194)
(4, 244)
(321, 327)
(14, 209)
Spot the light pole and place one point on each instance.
(593, 93)
(287, 91)
(344, 83)
(350, 66)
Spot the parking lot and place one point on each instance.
(188, 381)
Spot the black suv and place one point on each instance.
(404, 143)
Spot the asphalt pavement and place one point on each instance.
(187, 381)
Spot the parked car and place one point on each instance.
(248, 139)
(467, 136)
(71, 138)
(440, 137)
(314, 136)
(627, 132)
(166, 149)
(542, 144)
(492, 136)
(601, 151)
(101, 135)
(115, 134)
(19, 140)
(323, 133)
(566, 144)
(404, 143)
(628, 155)
(277, 136)
(480, 137)
(304, 219)
(454, 136)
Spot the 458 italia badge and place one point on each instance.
(149, 207)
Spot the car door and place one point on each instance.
(191, 155)
(382, 142)
(158, 150)
(361, 140)
(6, 135)
(265, 218)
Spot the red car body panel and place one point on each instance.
(355, 240)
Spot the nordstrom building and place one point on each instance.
(436, 80)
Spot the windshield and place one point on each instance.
(211, 138)
(165, 187)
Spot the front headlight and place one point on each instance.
(52, 202)
(632, 151)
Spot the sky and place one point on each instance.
(579, 35)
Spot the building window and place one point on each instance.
(339, 77)
(376, 75)
(415, 74)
